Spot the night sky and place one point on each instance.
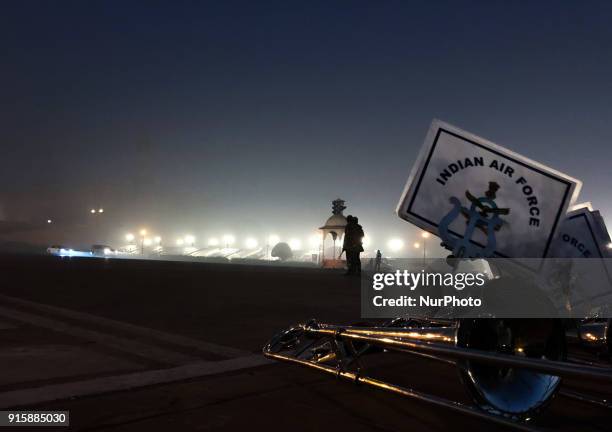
(250, 117)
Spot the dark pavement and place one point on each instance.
(149, 345)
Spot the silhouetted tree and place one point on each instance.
(282, 251)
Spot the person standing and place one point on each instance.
(378, 260)
(353, 245)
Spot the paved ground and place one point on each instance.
(130, 345)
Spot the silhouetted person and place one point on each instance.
(353, 237)
(378, 260)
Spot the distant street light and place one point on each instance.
(129, 237)
(179, 242)
(314, 240)
(147, 242)
(49, 221)
(213, 241)
(609, 245)
(295, 244)
(228, 240)
(96, 220)
(190, 240)
(417, 245)
(425, 236)
(251, 243)
(157, 239)
(395, 244)
(143, 233)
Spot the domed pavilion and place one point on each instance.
(334, 227)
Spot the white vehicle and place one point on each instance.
(59, 250)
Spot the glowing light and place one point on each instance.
(129, 237)
(315, 240)
(100, 210)
(395, 244)
(273, 239)
(295, 244)
(417, 245)
(367, 241)
(425, 235)
(228, 239)
(157, 239)
(179, 242)
(92, 211)
(107, 251)
(609, 245)
(143, 232)
(49, 221)
(147, 242)
(250, 243)
(189, 239)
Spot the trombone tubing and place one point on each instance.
(409, 393)
(392, 339)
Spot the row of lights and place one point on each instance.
(146, 241)
(252, 243)
(394, 244)
(397, 244)
(228, 240)
(225, 241)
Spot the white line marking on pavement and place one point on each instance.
(126, 382)
(179, 340)
(127, 345)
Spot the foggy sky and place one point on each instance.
(250, 117)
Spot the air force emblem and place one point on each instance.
(483, 214)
